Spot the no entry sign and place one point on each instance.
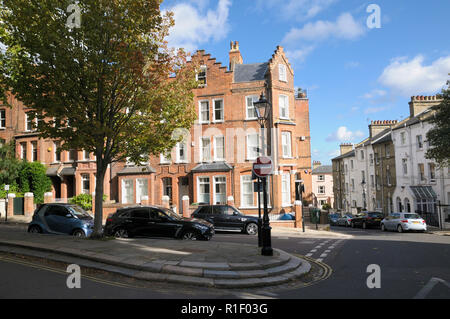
(263, 166)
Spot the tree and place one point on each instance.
(439, 135)
(107, 87)
(9, 164)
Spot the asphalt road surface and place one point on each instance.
(411, 265)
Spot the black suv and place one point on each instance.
(154, 221)
(225, 217)
(367, 219)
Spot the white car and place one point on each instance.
(402, 222)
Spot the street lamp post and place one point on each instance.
(263, 109)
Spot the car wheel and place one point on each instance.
(79, 233)
(383, 228)
(400, 229)
(121, 233)
(251, 229)
(189, 235)
(35, 229)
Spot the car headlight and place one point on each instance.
(202, 227)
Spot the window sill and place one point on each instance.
(218, 122)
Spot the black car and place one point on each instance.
(367, 219)
(154, 221)
(226, 217)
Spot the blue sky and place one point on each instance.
(353, 74)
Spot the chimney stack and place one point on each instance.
(346, 147)
(235, 55)
(316, 164)
(419, 104)
(376, 127)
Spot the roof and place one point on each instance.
(137, 170)
(348, 154)
(423, 192)
(383, 137)
(52, 171)
(212, 167)
(68, 171)
(324, 169)
(250, 72)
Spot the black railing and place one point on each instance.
(431, 219)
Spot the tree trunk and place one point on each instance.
(98, 218)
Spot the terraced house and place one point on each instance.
(213, 163)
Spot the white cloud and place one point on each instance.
(375, 93)
(300, 54)
(413, 77)
(334, 153)
(195, 26)
(343, 134)
(345, 27)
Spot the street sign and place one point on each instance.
(6, 187)
(263, 166)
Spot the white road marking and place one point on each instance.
(323, 255)
(319, 260)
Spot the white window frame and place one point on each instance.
(321, 190)
(215, 120)
(202, 151)
(84, 155)
(245, 180)
(199, 184)
(163, 159)
(252, 155)
(251, 107)
(141, 191)
(321, 178)
(203, 68)
(55, 146)
(185, 148)
(286, 137)
(34, 147)
(282, 72)
(286, 190)
(217, 158)
(221, 182)
(27, 129)
(2, 119)
(202, 120)
(405, 166)
(124, 199)
(283, 106)
(84, 179)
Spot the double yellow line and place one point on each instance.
(327, 270)
(59, 271)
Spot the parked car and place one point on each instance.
(345, 220)
(367, 220)
(333, 218)
(154, 221)
(403, 222)
(61, 219)
(226, 217)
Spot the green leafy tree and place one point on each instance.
(107, 87)
(33, 178)
(9, 164)
(439, 135)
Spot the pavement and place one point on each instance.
(199, 263)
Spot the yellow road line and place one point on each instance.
(59, 271)
(327, 269)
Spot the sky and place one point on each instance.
(355, 68)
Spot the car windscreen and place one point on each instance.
(79, 212)
(412, 216)
(171, 213)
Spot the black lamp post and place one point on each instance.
(263, 110)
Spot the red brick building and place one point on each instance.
(213, 164)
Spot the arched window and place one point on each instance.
(407, 206)
(399, 205)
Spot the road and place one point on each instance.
(412, 265)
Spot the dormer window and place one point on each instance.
(201, 76)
